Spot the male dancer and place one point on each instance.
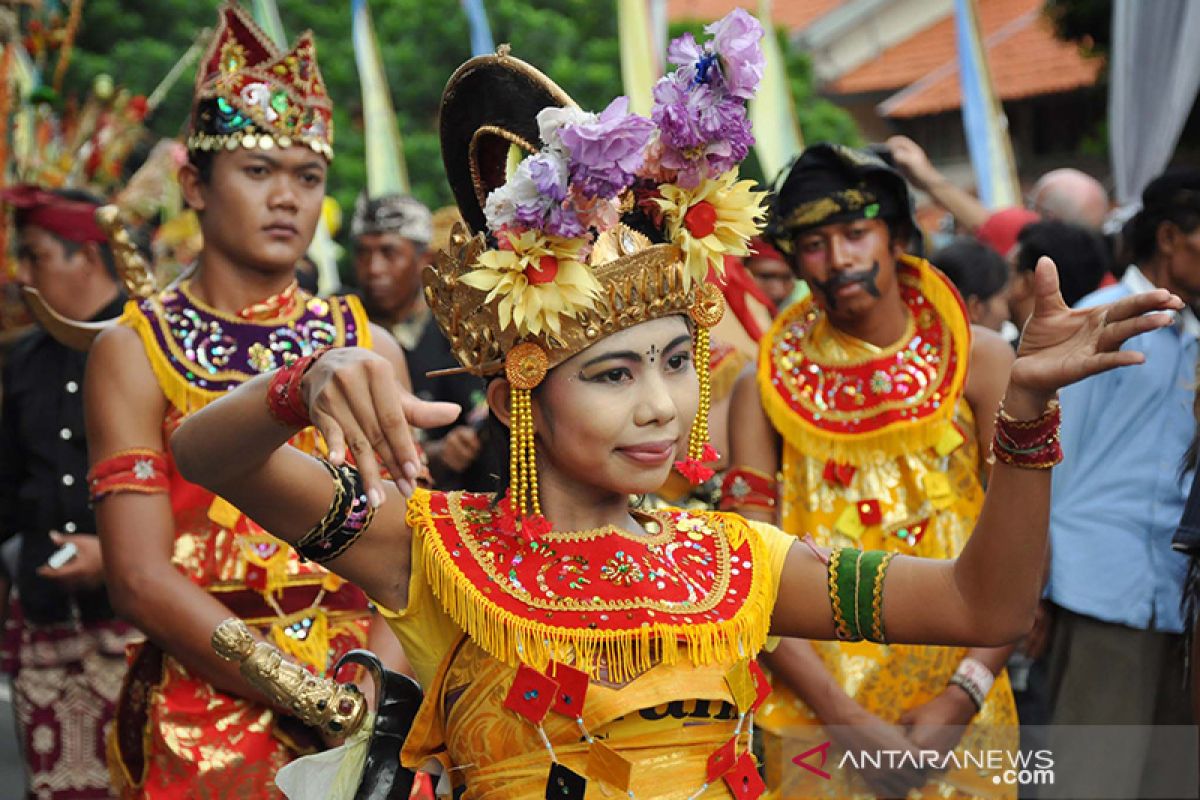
(178, 559)
(872, 403)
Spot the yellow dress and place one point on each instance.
(664, 645)
(879, 453)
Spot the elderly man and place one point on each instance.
(391, 246)
(392, 235)
(1063, 194)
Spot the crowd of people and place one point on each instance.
(644, 473)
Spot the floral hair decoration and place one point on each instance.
(609, 220)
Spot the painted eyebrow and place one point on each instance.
(678, 340)
(624, 355)
(629, 355)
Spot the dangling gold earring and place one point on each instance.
(525, 366)
(706, 311)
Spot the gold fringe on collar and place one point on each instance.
(622, 654)
(910, 434)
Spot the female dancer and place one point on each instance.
(566, 641)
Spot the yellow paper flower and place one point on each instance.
(716, 219)
(539, 280)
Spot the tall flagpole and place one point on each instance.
(777, 138)
(639, 67)
(387, 172)
(482, 43)
(984, 123)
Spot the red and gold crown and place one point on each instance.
(249, 94)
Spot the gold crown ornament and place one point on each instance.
(580, 225)
(250, 94)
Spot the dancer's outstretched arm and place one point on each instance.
(235, 448)
(987, 596)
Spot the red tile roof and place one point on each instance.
(793, 15)
(916, 56)
(1025, 60)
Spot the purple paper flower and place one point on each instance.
(607, 150)
(549, 175)
(563, 221)
(736, 39)
(703, 131)
(684, 52)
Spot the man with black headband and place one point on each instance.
(864, 426)
(70, 654)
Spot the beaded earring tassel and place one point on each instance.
(706, 311)
(523, 457)
(525, 367)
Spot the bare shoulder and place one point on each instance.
(989, 350)
(745, 389)
(123, 402)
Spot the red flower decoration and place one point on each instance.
(709, 454)
(533, 527)
(701, 219)
(694, 471)
(545, 271)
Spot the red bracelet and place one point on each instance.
(746, 487)
(285, 402)
(1030, 444)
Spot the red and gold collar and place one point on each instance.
(612, 603)
(844, 404)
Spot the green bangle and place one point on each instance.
(880, 561)
(856, 593)
(845, 575)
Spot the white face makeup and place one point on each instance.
(616, 416)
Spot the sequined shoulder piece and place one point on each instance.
(614, 603)
(199, 353)
(848, 407)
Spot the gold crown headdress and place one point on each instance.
(249, 94)
(581, 225)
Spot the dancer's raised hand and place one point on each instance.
(355, 400)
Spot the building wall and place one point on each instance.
(859, 31)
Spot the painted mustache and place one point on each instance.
(867, 277)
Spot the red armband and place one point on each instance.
(136, 470)
(746, 487)
(284, 400)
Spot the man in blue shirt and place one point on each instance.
(1115, 581)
